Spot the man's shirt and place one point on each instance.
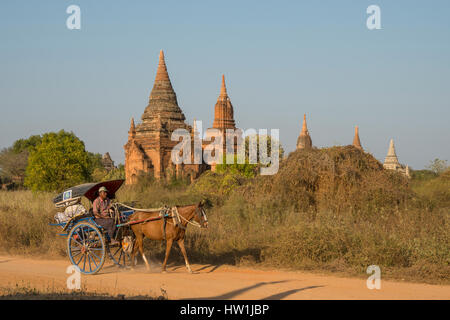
(101, 207)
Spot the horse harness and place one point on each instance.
(168, 213)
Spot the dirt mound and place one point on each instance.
(336, 179)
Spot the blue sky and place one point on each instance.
(280, 59)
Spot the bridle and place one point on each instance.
(200, 213)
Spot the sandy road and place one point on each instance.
(210, 282)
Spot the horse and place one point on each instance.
(175, 229)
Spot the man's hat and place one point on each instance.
(102, 189)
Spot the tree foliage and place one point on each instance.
(438, 166)
(245, 169)
(29, 144)
(58, 162)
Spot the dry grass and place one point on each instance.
(22, 291)
(332, 209)
(24, 219)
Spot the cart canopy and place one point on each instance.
(89, 190)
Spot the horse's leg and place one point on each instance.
(141, 250)
(168, 247)
(183, 251)
(135, 249)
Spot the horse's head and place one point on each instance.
(200, 216)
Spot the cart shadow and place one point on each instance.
(278, 296)
(285, 294)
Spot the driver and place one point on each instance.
(102, 209)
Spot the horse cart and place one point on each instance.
(88, 245)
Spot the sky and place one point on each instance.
(281, 59)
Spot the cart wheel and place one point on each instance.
(86, 247)
(119, 255)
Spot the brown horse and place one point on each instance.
(174, 231)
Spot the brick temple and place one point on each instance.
(149, 145)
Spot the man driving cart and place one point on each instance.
(102, 211)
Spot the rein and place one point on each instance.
(195, 223)
(174, 214)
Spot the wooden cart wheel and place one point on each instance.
(86, 247)
(120, 255)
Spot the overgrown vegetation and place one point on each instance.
(333, 209)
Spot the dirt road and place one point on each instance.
(209, 282)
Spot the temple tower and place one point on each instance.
(224, 120)
(223, 111)
(356, 141)
(391, 160)
(107, 162)
(149, 145)
(304, 139)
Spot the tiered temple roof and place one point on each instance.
(162, 111)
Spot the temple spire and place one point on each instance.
(223, 110)
(162, 100)
(391, 160)
(391, 151)
(161, 73)
(132, 131)
(304, 126)
(356, 140)
(304, 139)
(223, 89)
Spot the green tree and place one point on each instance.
(58, 162)
(245, 169)
(29, 144)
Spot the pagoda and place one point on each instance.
(149, 145)
(391, 161)
(304, 139)
(356, 141)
